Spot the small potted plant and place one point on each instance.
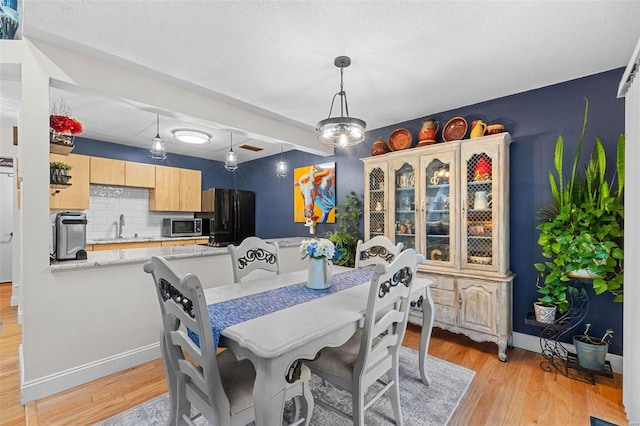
(591, 352)
(581, 231)
(59, 172)
(62, 126)
(346, 237)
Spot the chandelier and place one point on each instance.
(344, 130)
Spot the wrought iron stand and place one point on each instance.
(556, 356)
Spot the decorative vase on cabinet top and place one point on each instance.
(427, 135)
(478, 128)
(379, 147)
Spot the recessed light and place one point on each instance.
(191, 136)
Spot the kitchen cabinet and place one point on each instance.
(106, 171)
(450, 201)
(74, 196)
(140, 175)
(121, 246)
(177, 242)
(176, 190)
(190, 190)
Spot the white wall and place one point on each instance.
(630, 88)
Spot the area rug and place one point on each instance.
(421, 405)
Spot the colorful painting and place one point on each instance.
(314, 193)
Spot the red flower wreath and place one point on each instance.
(64, 124)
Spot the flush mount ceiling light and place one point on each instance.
(281, 167)
(194, 137)
(344, 130)
(231, 162)
(157, 151)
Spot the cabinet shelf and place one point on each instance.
(479, 182)
(58, 148)
(405, 188)
(439, 186)
(438, 236)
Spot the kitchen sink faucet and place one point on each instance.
(120, 226)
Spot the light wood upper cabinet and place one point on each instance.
(176, 190)
(166, 195)
(106, 171)
(190, 190)
(75, 196)
(139, 175)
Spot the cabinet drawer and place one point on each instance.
(445, 314)
(443, 282)
(443, 297)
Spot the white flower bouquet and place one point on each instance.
(317, 248)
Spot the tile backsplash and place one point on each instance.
(107, 203)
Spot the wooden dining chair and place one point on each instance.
(372, 353)
(218, 386)
(378, 249)
(254, 253)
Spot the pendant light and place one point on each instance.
(281, 168)
(231, 162)
(158, 151)
(344, 130)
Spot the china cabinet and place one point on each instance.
(450, 201)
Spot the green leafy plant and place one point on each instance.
(346, 236)
(60, 165)
(582, 228)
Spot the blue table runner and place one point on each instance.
(234, 311)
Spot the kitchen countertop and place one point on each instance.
(140, 255)
(140, 239)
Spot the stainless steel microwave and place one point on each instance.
(181, 227)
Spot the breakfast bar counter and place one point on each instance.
(141, 255)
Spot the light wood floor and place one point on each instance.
(517, 392)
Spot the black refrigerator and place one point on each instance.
(233, 218)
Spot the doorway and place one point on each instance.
(6, 223)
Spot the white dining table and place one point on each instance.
(274, 342)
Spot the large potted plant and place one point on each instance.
(581, 231)
(346, 236)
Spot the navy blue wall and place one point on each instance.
(534, 119)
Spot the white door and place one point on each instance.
(6, 220)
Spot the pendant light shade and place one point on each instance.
(158, 151)
(231, 162)
(281, 167)
(343, 130)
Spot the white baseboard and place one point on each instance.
(14, 300)
(64, 380)
(532, 343)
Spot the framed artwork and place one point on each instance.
(314, 193)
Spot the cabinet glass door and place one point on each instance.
(377, 203)
(405, 206)
(479, 224)
(438, 225)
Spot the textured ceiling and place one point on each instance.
(409, 59)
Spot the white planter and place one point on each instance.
(583, 274)
(544, 313)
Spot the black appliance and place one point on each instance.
(232, 219)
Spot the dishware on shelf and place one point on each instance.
(481, 260)
(493, 129)
(455, 129)
(478, 128)
(379, 147)
(427, 135)
(482, 200)
(400, 139)
(482, 170)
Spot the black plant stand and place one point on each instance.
(556, 356)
